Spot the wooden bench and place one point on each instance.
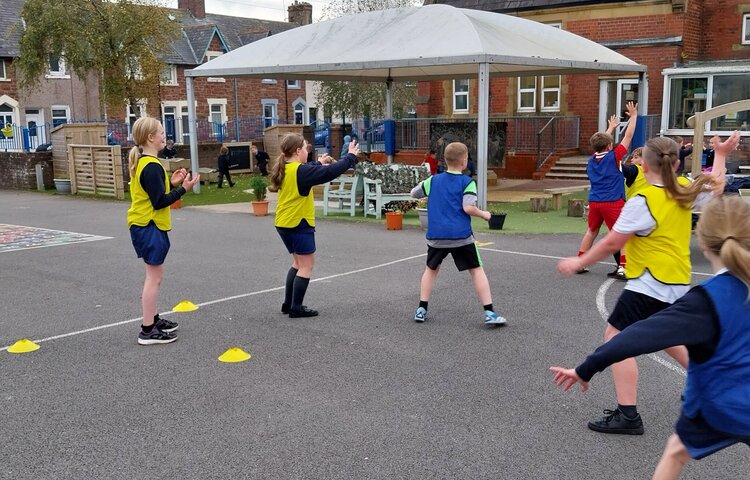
(373, 192)
(344, 189)
(557, 194)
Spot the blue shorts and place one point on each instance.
(150, 243)
(701, 439)
(298, 240)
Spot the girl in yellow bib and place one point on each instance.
(655, 224)
(149, 220)
(294, 178)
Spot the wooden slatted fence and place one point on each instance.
(96, 170)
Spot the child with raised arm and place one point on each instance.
(655, 223)
(149, 220)
(453, 201)
(711, 320)
(294, 179)
(607, 193)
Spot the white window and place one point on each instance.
(746, 29)
(60, 115)
(57, 67)
(6, 115)
(293, 84)
(217, 115)
(527, 94)
(3, 73)
(133, 69)
(210, 55)
(134, 112)
(551, 93)
(270, 116)
(299, 107)
(168, 75)
(461, 96)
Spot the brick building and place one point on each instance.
(62, 97)
(697, 54)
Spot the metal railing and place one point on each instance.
(25, 139)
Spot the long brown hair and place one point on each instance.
(724, 229)
(142, 128)
(290, 143)
(660, 154)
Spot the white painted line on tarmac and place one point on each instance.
(221, 300)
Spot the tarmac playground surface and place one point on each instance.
(359, 392)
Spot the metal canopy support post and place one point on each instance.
(192, 130)
(482, 132)
(389, 108)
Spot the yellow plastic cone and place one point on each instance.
(185, 306)
(23, 346)
(234, 355)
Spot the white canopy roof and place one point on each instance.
(418, 43)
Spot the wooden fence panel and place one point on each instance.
(96, 170)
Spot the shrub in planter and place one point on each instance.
(259, 186)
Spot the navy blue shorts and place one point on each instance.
(632, 307)
(150, 243)
(465, 257)
(298, 240)
(702, 440)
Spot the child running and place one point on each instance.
(294, 178)
(149, 220)
(712, 321)
(607, 193)
(453, 201)
(655, 223)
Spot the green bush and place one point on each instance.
(259, 185)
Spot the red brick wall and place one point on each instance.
(18, 169)
(721, 30)
(9, 88)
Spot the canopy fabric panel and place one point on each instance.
(417, 43)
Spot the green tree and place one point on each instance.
(120, 41)
(356, 99)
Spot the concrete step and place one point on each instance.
(568, 168)
(573, 161)
(571, 176)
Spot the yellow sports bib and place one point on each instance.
(141, 211)
(292, 207)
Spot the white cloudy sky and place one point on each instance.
(265, 9)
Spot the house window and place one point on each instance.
(6, 115)
(134, 112)
(60, 115)
(527, 94)
(56, 66)
(217, 115)
(727, 89)
(551, 93)
(690, 94)
(3, 73)
(299, 112)
(168, 75)
(293, 84)
(746, 29)
(686, 96)
(270, 117)
(210, 55)
(461, 96)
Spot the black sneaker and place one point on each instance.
(615, 421)
(155, 336)
(165, 325)
(618, 273)
(285, 308)
(303, 313)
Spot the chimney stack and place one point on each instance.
(300, 13)
(196, 7)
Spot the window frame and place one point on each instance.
(533, 91)
(172, 82)
(294, 84)
(557, 89)
(222, 104)
(302, 106)
(462, 93)
(274, 104)
(52, 108)
(60, 72)
(3, 71)
(745, 40)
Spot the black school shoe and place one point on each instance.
(303, 313)
(615, 421)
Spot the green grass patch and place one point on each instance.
(519, 220)
(211, 194)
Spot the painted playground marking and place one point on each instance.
(18, 237)
(275, 289)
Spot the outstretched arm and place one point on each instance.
(613, 123)
(632, 112)
(721, 151)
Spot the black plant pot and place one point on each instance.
(497, 221)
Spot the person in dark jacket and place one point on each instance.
(224, 167)
(261, 159)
